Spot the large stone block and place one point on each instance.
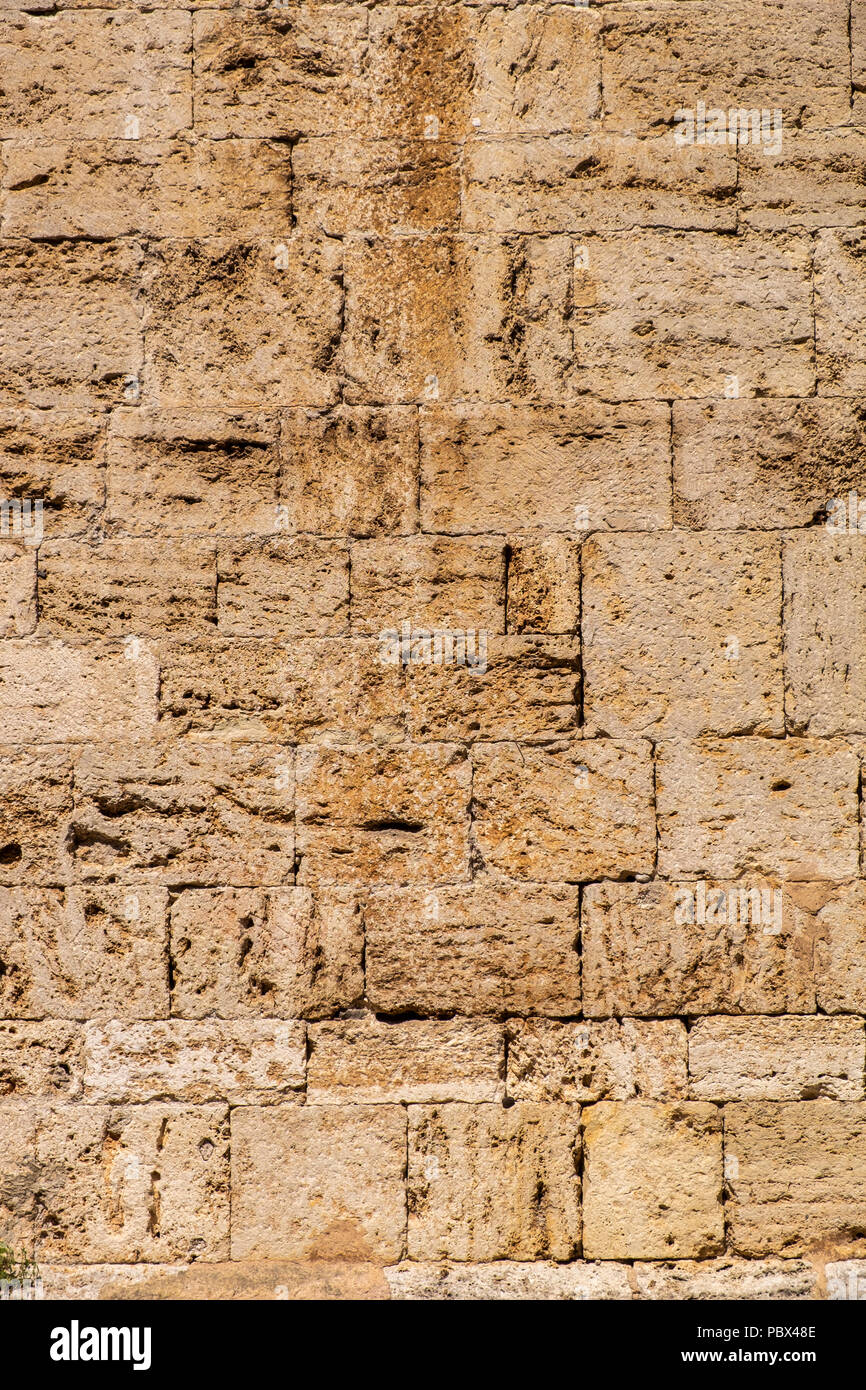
(127, 588)
(840, 312)
(364, 1060)
(483, 948)
(653, 1176)
(432, 582)
(56, 457)
(776, 1059)
(825, 650)
(51, 692)
(283, 588)
(553, 1061)
(493, 1183)
(319, 1182)
(35, 805)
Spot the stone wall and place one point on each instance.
(432, 681)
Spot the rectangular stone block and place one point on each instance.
(319, 1182)
(283, 588)
(115, 187)
(653, 1176)
(556, 468)
(693, 948)
(259, 1063)
(72, 323)
(40, 1061)
(660, 57)
(825, 609)
(508, 1280)
(433, 582)
(242, 953)
(127, 587)
(544, 586)
(224, 1281)
(758, 806)
(796, 1177)
(79, 953)
(345, 186)
(727, 1280)
(814, 182)
(490, 1183)
(777, 1059)
(537, 68)
(143, 1182)
(836, 916)
(35, 805)
(305, 690)
(483, 948)
(261, 321)
(458, 318)
(176, 472)
(396, 815)
(56, 457)
(198, 813)
(54, 693)
(679, 314)
(599, 183)
(840, 312)
(682, 635)
(585, 1062)
(17, 588)
(568, 811)
(351, 470)
(365, 1060)
(760, 464)
(106, 74)
(529, 688)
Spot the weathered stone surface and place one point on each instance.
(55, 457)
(256, 1064)
(319, 1182)
(485, 947)
(180, 472)
(758, 806)
(285, 588)
(229, 1281)
(508, 1279)
(705, 948)
(55, 693)
(529, 688)
(17, 588)
(107, 74)
(121, 588)
(35, 803)
(561, 468)
(815, 181)
(653, 1176)
(351, 471)
(597, 184)
(726, 1279)
(678, 635)
(567, 811)
(798, 1180)
(245, 953)
(83, 953)
(431, 582)
(195, 813)
(544, 586)
(366, 1060)
(678, 314)
(776, 1059)
(309, 690)
(660, 57)
(396, 815)
(40, 1060)
(111, 188)
(72, 327)
(490, 1183)
(840, 312)
(846, 1279)
(18, 1171)
(445, 318)
(146, 1182)
(261, 320)
(552, 1061)
(344, 186)
(762, 463)
(825, 612)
